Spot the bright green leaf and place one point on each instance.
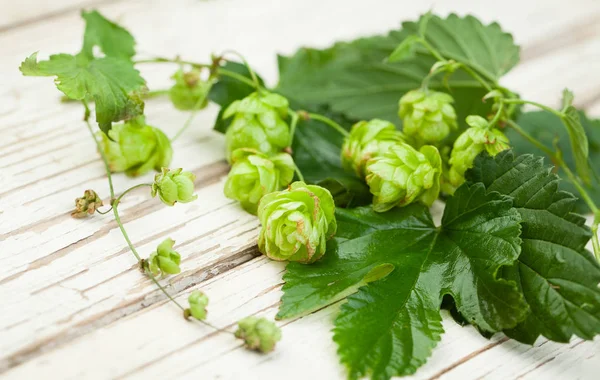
(114, 84)
(547, 128)
(391, 325)
(114, 40)
(558, 277)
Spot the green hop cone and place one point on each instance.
(86, 205)
(368, 139)
(198, 302)
(258, 334)
(253, 175)
(296, 223)
(174, 186)
(164, 260)
(470, 143)
(189, 91)
(136, 148)
(258, 123)
(428, 117)
(404, 175)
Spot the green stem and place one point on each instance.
(128, 190)
(595, 241)
(530, 138)
(325, 120)
(237, 76)
(293, 125)
(155, 93)
(129, 243)
(546, 108)
(170, 60)
(476, 76)
(498, 114)
(299, 173)
(195, 110)
(252, 73)
(104, 159)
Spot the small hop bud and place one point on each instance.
(368, 139)
(296, 223)
(86, 205)
(174, 186)
(253, 175)
(470, 143)
(258, 123)
(198, 302)
(258, 334)
(189, 91)
(404, 175)
(136, 148)
(428, 117)
(164, 260)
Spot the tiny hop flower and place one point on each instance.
(174, 186)
(470, 143)
(164, 260)
(198, 302)
(428, 117)
(253, 175)
(258, 334)
(368, 139)
(86, 205)
(296, 223)
(258, 123)
(403, 175)
(136, 148)
(189, 92)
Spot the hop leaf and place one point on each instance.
(470, 143)
(258, 124)
(258, 334)
(404, 175)
(86, 205)
(296, 223)
(253, 175)
(427, 116)
(136, 148)
(189, 91)
(368, 139)
(174, 186)
(164, 260)
(198, 302)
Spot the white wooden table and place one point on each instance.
(74, 305)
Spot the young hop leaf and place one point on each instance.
(114, 40)
(254, 174)
(136, 148)
(397, 267)
(559, 278)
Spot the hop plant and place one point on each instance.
(470, 143)
(404, 175)
(258, 334)
(136, 148)
(368, 139)
(258, 123)
(164, 260)
(428, 117)
(296, 223)
(86, 205)
(189, 91)
(198, 302)
(173, 186)
(253, 175)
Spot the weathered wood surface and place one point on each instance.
(73, 303)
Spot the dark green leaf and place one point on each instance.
(558, 277)
(390, 325)
(227, 90)
(114, 84)
(114, 40)
(548, 128)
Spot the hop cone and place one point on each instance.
(174, 186)
(164, 260)
(296, 223)
(428, 117)
(254, 175)
(368, 139)
(470, 143)
(404, 175)
(189, 91)
(258, 334)
(136, 148)
(258, 123)
(198, 302)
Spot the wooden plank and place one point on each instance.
(78, 270)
